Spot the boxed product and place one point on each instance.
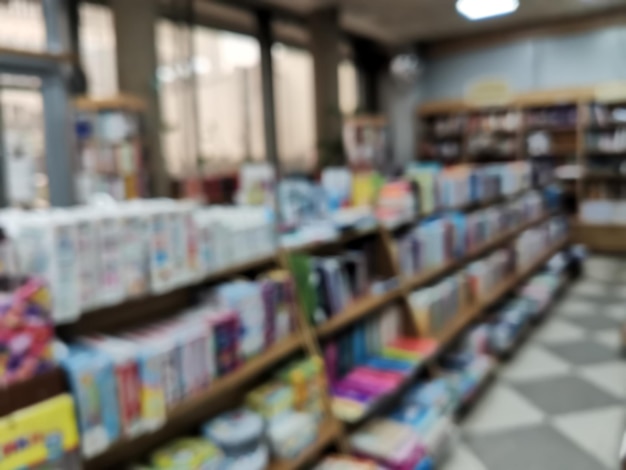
(41, 436)
(26, 332)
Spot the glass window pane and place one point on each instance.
(97, 49)
(21, 105)
(295, 107)
(175, 97)
(227, 67)
(223, 82)
(22, 25)
(348, 88)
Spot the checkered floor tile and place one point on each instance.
(560, 403)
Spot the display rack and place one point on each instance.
(112, 147)
(578, 127)
(228, 392)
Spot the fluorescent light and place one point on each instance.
(481, 9)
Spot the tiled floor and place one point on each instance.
(560, 403)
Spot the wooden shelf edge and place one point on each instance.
(195, 410)
(357, 311)
(37, 55)
(121, 102)
(463, 320)
(365, 307)
(328, 432)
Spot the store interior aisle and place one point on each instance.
(560, 403)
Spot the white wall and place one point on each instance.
(531, 64)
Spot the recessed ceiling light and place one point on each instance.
(481, 9)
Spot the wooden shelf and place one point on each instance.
(604, 176)
(605, 238)
(462, 321)
(152, 307)
(552, 129)
(122, 102)
(359, 310)
(221, 394)
(36, 55)
(329, 432)
(363, 308)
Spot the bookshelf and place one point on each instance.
(112, 147)
(580, 128)
(228, 391)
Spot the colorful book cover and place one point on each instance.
(42, 436)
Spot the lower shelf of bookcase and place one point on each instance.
(225, 392)
(605, 238)
(462, 322)
(329, 432)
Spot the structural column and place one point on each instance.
(135, 23)
(325, 47)
(59, 125)
(370, 64)
(266, 40)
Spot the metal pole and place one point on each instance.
(56, 17)
(4, 200)
(266, 41)
(60, 147)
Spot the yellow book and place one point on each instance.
(41, 435)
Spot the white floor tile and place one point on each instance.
(610, 338)
(534, 362)
(571, 307)
(598, 432)
(615, 310)
(463, 458)
(590, 288)
(609, 377)
(501, 409)
(559, 331)
(619, 292)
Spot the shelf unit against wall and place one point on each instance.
(602, 221)
(583, 129)
(113, 153)
(228, 391)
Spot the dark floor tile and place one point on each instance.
(596, 322)
(583, 352)
(536, 448)
(565, 394)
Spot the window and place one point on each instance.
(295, 107)
(348, 88)
(21, 106)
(22, 25)
(97, 49)
(211, 105)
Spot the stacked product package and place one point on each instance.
(93, 256)
(450, 188)
(416, 435)
(440, 240)
(485, 275)
(43, 435)
(435, 307)
(280, 420)
(328, 284)
(126, 385)
(370, 361)
(345, 462)
(534, 241)
(508, 322)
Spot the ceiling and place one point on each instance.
(404, 21)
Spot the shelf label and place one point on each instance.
(488, 92)
(611, 91)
